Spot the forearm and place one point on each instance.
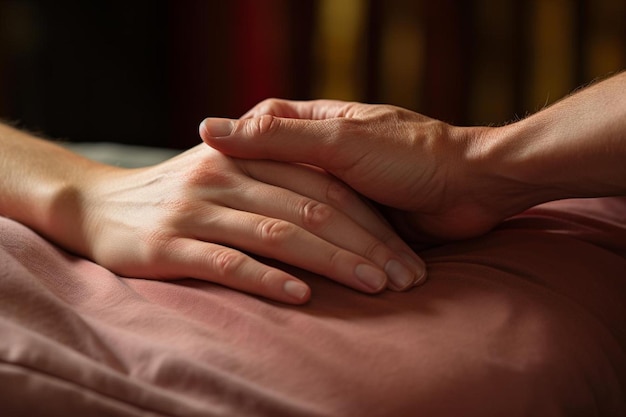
(575, 148)
(41, 185)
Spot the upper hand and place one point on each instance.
(428, 169)
(198, 214)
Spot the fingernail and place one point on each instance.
(420, 279)
(419, 267)
(296, 289)
(370, 277)
(399, 275)
(218, 127)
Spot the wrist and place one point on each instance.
(474, 186)
(554, 158)
(71, 206)
(572, 149)
(503, 165)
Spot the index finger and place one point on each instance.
(330, 144)
(311, 109)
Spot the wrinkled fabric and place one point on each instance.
(527, 320)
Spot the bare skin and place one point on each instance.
(200, 215)
(445, 182)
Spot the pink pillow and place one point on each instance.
(527, 320)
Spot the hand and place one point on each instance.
(428, 169)
(186, 216)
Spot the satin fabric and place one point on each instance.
(527, 320)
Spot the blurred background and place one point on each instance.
(147, 72)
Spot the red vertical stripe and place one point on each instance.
(260, 33)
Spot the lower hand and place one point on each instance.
(197, 215)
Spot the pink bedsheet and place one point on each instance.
(528, 320)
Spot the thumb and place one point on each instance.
(315, 142)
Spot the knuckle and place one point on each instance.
(156, 244)
(315, 215)
(216, 178)
(225, 262)
(155, 252)
(208, 172)
(348, 128)
(275, 232)
(372, 248)
(343, 143)
(339, 195)
(263, 125)
(175, 211)
(267, 280)
(390, 238)
(269, 105)
(336, 259)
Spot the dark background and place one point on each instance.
(147, 72)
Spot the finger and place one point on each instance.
(233, 269)
(312, 109)
(288, 243)
(326, 207)
(310, 181)
(325, 222)
(317, 142)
